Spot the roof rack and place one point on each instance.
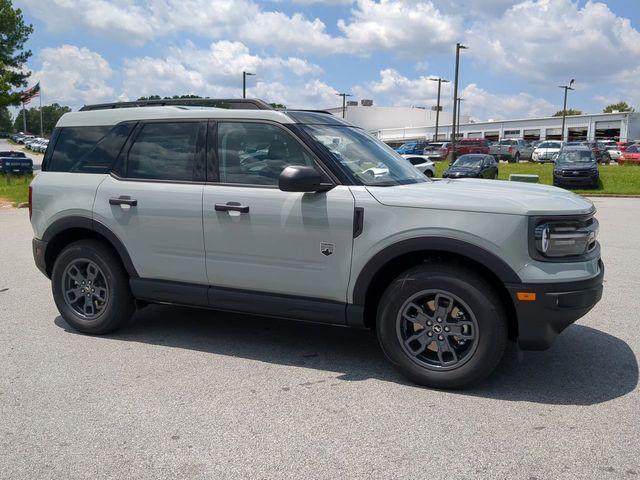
(231, 103)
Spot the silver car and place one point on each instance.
(546, 151)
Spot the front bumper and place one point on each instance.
(557, 306)
(586, 180)
(39, 248)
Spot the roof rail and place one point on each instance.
(231, 103)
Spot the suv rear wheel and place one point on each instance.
(442, 326)
(91, 288)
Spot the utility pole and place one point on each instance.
(564, 106)
(459, 110)
(344, 102)
(244, 83)
(440, 82)
(459, 47)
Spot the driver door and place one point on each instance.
(261, 239)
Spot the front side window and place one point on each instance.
(164, 151)
(369, 160)
(256, 153)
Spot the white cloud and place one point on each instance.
(552, 40)
(483, 105)
(409, 28)
(74, 76)
(392, 88)
(216, 72)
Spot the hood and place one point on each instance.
(489, 196)
(575, 166)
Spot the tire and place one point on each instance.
(516, 159)
(428, 173)
(485, 319)
(111, 303)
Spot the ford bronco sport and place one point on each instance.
(278, 213)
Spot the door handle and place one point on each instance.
(123, 200)
(231, 207)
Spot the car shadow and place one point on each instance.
(584, 367)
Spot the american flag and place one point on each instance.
(31, 93)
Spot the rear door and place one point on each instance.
(153, 200)
(297, 244)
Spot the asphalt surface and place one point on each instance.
(195, 395)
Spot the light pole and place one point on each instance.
(440, 82)
(459, 110)
(344, 102)
(459, 47)
(564, 106)
(244, 83)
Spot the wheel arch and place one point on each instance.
(67, 230)
(381, 269)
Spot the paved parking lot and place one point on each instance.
(192, 394)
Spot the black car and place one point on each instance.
(576, 167)
(473, 165)
(15, 162)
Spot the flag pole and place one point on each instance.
(24, 118)
(41, 123)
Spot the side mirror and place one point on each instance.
(299, 178)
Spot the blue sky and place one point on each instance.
(305, 51)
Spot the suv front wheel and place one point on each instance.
(442, 325)
(91, 288)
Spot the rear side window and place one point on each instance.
(101, 158)
(165, 151)
(72, 144)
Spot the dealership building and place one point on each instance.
(395, 125)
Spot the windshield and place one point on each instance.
(367, 158)
(576, 156)
(508, 142)
(468, 161)
(435, 146)
(549, 145)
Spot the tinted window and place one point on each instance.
(632, 149)
(101, 158)
(164, 151)
(474, 142)
(256, 153)
(72, 144)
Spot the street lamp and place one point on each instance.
(344, 102)
(244, 83)
(459, 47)
(440, 82)
(459, 110)
(564, 107)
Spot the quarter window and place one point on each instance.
(164, 151)
(74, 143)
(256, 153)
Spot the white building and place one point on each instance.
(623, 126)
(376, 119)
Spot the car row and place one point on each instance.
(37, 144)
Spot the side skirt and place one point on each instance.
(241, 301)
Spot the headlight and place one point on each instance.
(571, 238)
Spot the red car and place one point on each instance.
(623, 145)
(465, 146)
(631, 155)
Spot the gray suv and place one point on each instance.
(301, 215)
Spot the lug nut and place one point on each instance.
(429, 324)
(430, 334)
(439, 320)
(440, 337)
(446, 329)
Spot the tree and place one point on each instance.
(570, 111)
(278, 106)
(50, 116)
(13, 36)
(619, 107)
(6, 124)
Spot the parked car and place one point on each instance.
(631, 155)
(422, 163)
(271, 212)
(15, 163)
(411, 148)
(600, 152)
(546, 151)
(437, 150)
(576, 166)
(466, 146)
(25, 138)
(512, 150)
(5, 134)
(473, 166)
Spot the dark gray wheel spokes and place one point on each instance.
(85, 288)
(437, 329)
